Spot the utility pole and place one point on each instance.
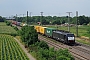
(77, 23)
(69, 20)
(30, 17)
(16, 19)
(41, 17)
(27, 18)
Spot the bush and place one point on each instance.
(13, 35)
(8, 23)
(16, 28)
(43, 45)
(62, 54)
(42, 53)
(63, 58)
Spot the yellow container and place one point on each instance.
(37, 28)
(42, 30)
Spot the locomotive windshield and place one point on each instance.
(70, 35)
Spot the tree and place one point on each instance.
(28, 35)
(2, 19)
(83, 20)
(64, 55)
(52, 54)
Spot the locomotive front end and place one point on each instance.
(71, 38)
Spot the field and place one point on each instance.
(2, 24)
(6, 29)
(10, 50)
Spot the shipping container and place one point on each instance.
(37, 28)
(42, 30)
(48, 31)
(18, 23)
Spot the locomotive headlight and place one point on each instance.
(70, 38)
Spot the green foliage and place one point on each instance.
(55, 20)
(28, 35)
(8, 23)
(63, 58)
(63, 54)
(15, 28)
(83, 20)
(2, 19)
(43, 45)
(50, 54)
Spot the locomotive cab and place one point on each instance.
(70, 38)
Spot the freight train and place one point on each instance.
(18, 23)
(60, 35)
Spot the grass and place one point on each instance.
(84, 42)
(6, 29)
(2, 24)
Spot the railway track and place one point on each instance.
(77, 52)
(83, 49)
(84, 45)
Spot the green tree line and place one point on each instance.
(82, 20)
(2, 19)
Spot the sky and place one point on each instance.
(48, 7)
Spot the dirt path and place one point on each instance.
(28, 54)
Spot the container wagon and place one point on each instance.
(37, 28)
(18, 23)
(49, 31)
(42, 30)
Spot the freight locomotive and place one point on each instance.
(59, 35)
